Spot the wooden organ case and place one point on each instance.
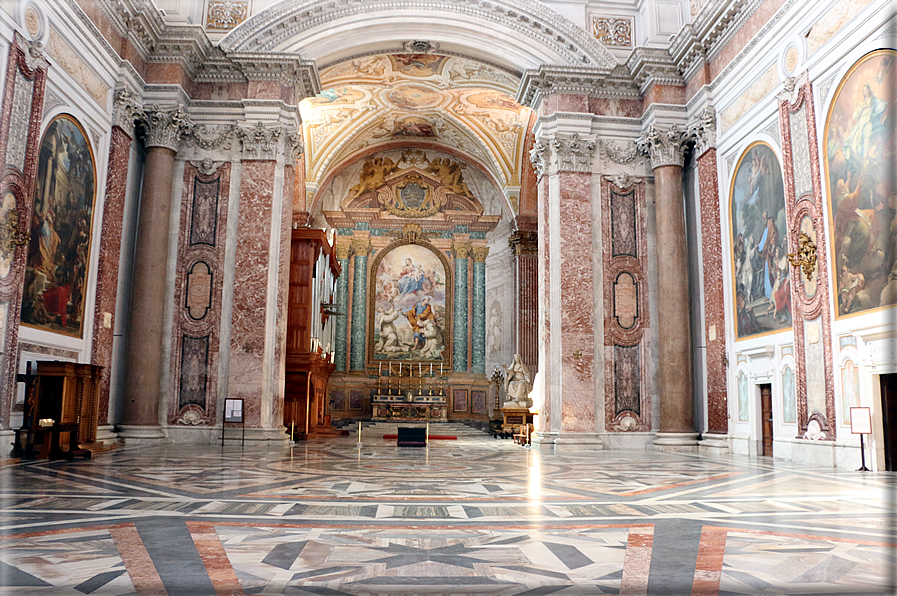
(314, 270)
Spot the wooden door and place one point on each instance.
(889, 419)
(766, 417)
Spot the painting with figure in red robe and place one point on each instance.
(859, 162)
(760, 267)
(61, 224)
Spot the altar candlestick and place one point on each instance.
(380, 369)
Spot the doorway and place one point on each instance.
(766, 418)
(889, 419)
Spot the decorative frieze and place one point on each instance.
(164, 128)
(212, 137)
(613, 31)
(224, 15)
(663, 148)
(574, 154)
(259, 142)
(617, 154)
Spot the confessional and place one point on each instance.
(61, 409)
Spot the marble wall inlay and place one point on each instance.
(624, 234)
(198, 296)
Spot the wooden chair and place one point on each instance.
(521, 437)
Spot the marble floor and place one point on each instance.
(472, 516)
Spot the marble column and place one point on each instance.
(143, 389)
(702, 130)
(342, 296)
(124, 112)
(461, 251)
(665, 151)
(362, 248)
(567, 349)
(478, 357)
(526, 296)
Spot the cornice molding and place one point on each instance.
(597, 82)
(296, 19)
(699, 41)
(653, 66)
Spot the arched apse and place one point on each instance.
(516, 34)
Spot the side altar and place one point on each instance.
(428, 408)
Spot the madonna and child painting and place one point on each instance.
(409, 305)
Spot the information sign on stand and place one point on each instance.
(861, 424)
(233, 414)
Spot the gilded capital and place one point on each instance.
(361, 247)
(524, 243)
(461, 249)
(342, 251)
(480, 253)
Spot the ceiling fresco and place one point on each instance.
(443, 100)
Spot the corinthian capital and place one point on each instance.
(538, 158)
(260, 142)
(165, 128)
(126, 110)
(574, 154)
(702, 130)
(663, 148)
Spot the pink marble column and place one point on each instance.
(108, 265)
(567, 349)
(143, 388)
(23, 95)
(677, 429)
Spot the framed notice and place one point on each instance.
(233, 410)
(861, 421)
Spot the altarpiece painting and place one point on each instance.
(409, 305)
(61, 224)
(859, 166)
(760, 265)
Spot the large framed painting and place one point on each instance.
(61, 224)
(410, 304)
(859, 159)
(761, 272)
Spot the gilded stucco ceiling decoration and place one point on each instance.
(446, 100)
(388, 188)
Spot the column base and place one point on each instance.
(132, 434)
(106, 434)
(712, 444)
(628, 441)
(681, 442)
(567, 441)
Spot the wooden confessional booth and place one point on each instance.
(310, 343)
(61, 408)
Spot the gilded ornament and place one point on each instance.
(805, 257)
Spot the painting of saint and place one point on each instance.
(414, 127)
(493, 99)
(760, 266)
(414, 97)
(61, 223)
(859, 159)
(409, 305)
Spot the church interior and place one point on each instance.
(601, 290)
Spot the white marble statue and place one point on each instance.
(518, 384)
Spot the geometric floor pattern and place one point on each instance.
(473, 516)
